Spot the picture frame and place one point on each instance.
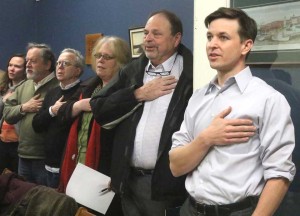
(90, 40)
(278, 38)
(136, 36)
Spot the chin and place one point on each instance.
(213, 66)
(150, 55)
(99, 74)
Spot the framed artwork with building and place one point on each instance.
(136, 36)
(278, 36)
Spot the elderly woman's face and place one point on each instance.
(106, 64)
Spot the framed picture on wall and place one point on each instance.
(136, 36)
(90, 40)
(278, 36)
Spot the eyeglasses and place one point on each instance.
(104, 56)
(162, 73)
(63, 64)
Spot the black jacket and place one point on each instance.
(87, 88)
(56, 131)
(65, 113)
(117, 99)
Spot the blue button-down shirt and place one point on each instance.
(230, 173)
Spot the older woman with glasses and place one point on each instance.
(88, 143)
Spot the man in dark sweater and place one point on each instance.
(69, 68)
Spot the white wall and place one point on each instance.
(202, 71)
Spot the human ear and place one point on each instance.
(247, 46)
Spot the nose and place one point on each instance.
(148, 37)
(101, 59)
(213, 42)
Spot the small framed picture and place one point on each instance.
(90, 40)
(136, 36)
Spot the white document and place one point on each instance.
(85, 186)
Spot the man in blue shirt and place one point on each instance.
(251, 176)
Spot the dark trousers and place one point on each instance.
(33, 170)
(9, 156)
(137, 200)
(189, 210)
(52, 179)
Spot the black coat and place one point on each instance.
(106, 138)
(56, 131)
(65, 113)
(117, 99)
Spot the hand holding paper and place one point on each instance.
(90, 188)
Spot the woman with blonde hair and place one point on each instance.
(88, 143)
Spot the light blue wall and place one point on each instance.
(64, 23)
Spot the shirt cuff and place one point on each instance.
(50, 112)
(22, 113)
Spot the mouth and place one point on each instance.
(149, 48)
(100, 67)
(213, 56)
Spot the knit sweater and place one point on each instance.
(31, 144)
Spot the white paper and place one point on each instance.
(85, 187)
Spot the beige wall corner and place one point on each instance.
(202, 71)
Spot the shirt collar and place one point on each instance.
(241, 79)
(165, 66)
(43, 81)
(69, 85)
(13, 87)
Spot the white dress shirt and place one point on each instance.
(149, 129)
(230, 173)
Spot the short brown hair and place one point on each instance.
(247, 25)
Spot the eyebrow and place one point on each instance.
(219, 33)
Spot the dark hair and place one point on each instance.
(46, 53)
(176, 24)
(247, 25)
(20, 55)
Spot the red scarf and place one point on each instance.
(92, 154)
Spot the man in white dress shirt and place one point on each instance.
(251, 176)
(154, 89)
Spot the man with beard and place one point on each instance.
(23, 104)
